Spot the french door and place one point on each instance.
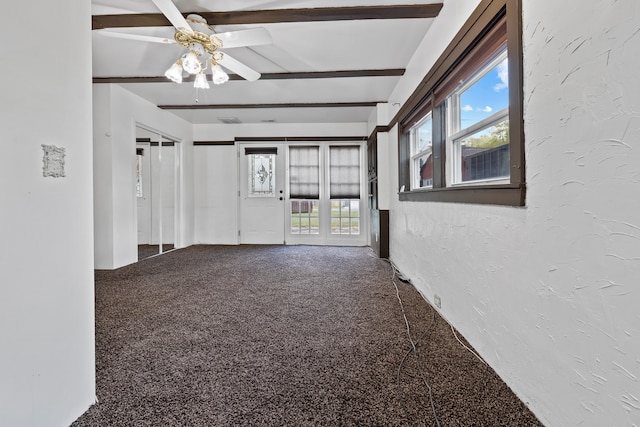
(302, 193)
(325, 194)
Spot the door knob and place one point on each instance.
(281, 198)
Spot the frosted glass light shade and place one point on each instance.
(174, 73)
(218, 75)
(191, 63)
(201, 82)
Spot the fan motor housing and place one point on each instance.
(210, 43)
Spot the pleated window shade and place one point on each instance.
(304, 172)
(344, 172)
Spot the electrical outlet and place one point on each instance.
(436, 300)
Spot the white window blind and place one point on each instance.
(304, 172)
(344, 172)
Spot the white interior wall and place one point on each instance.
(380, 117)
(115, 180)
(216, 174)
(47, 360)
(546, 293)
(102, 177)
(216, 219)
(385, 189)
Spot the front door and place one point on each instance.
(262, 193)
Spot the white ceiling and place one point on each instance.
(378, 44)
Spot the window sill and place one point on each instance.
(483, 183)
(502, 194)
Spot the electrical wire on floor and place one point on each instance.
(395, 269)
(414, 344)
(413, 350)
(463, 344)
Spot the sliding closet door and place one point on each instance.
(156, 187)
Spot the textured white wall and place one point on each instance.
(47, 358)
(115, 184)
(548, 293)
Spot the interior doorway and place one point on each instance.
(157, 174)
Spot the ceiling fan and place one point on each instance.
(203, 47)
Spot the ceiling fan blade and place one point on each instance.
(139, 37)
(173, 15)
(239, 68)
(251, 37)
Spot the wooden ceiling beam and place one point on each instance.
(250, 17)
(287, 105)
(393, 72)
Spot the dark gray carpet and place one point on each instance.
(146, 251)
(281, 336)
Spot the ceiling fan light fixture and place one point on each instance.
(191, 64)
(218, 76)
(174, 73)
(201, 81)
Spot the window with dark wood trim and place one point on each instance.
(492, 26)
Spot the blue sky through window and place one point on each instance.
(424, 135)
(487, 96)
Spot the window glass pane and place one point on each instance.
(355, 226)
(422, 167)
(304, 172)
(484, 154)
(304, 217)
(423, 135)
(355, 208)
(345, 217)
(344, 172)
(335, 225)
(262, 175)
(424, 170)
(485, 97)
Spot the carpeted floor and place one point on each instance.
(281, 336)
(146, 251)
